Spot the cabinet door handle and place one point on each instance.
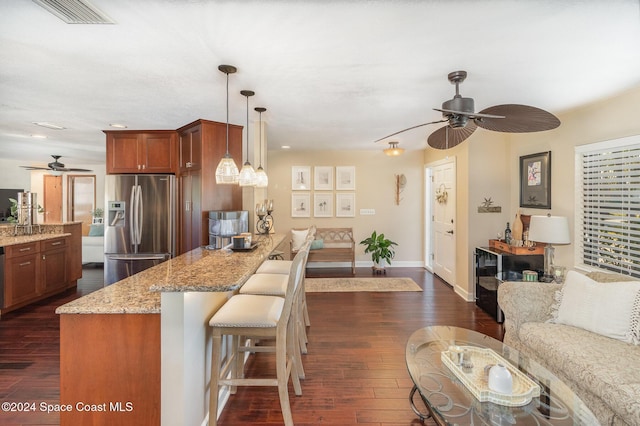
(25, 264)
(25, 249)
(57, 243)
(44, 257)
(139, 167)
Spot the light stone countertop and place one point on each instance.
(199, 270)
(21, 239)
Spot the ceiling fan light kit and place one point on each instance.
(462, 120)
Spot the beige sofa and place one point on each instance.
(603, 371)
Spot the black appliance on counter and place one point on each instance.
(492, 268)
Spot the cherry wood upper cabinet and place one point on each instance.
(149, 151)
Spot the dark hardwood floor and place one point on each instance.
(355, 368)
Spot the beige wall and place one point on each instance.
(375, 185)
(606, 120)
(492, 169)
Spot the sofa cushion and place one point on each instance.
(609, 309)
(603, 366)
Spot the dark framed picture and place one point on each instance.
(535, 180)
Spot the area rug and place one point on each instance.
(330, 285)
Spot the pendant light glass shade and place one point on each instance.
(227, 171)
(262, 180)
(247, 174)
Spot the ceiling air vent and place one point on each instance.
(75, 11)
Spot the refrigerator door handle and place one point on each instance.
(140, 214)
(132, 209)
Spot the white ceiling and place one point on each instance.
(332, 74)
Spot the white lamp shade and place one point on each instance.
(549, 229)
(227, 171)
(247, 175)
(262, 180)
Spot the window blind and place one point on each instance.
(608, 201)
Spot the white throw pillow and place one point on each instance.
(297, 238)
(603, 308)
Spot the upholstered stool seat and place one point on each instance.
(266, 284)
(249, 311)
(274, 267)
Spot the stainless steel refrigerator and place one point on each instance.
(139, 224)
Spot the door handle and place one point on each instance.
(450, 232)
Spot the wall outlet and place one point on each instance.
(367, 212)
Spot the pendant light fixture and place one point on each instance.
(393, 150)
(227, 171)
(262, 180)
(247, 174)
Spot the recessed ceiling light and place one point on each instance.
(48, 125)
(118, 126)
(39, 136)
(285, 147)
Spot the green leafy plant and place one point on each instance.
(379, 247)
(98, 212)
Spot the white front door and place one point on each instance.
(443, 216)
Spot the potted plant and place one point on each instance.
(381, 249)
(97, 214)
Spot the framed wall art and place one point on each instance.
(346, 178)
(300, 178)
(535, 180)
(323, 178)
(300, 205)
(346, 204)
(323, 204)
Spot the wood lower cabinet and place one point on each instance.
(150, 151)
(22, 274)
(39, 269)
(53, 265)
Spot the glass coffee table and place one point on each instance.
(449, 402)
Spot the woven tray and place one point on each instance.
(524, 389)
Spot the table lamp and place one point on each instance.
(550, 230)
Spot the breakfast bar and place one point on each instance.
(137, 351)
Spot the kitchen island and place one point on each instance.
(37, 265)
(137, 351)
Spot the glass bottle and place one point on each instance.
(507, 234)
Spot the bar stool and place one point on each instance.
(263, 317)
(275, 284)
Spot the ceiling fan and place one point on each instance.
(56, 166)
(462, 121)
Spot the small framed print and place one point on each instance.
(346, 178)
(323, 178)
(346, 204)
(300, 178)
(535, 180)
(323, 204)
(300, 206)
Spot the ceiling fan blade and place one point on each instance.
(447, 137)
(518, 119)
(470, 114)
(78, 170)
(410, 128)
(35, 168)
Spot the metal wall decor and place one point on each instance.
(265, 220)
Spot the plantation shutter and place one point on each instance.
(608, 201)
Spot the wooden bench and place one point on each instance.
(338, 245)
